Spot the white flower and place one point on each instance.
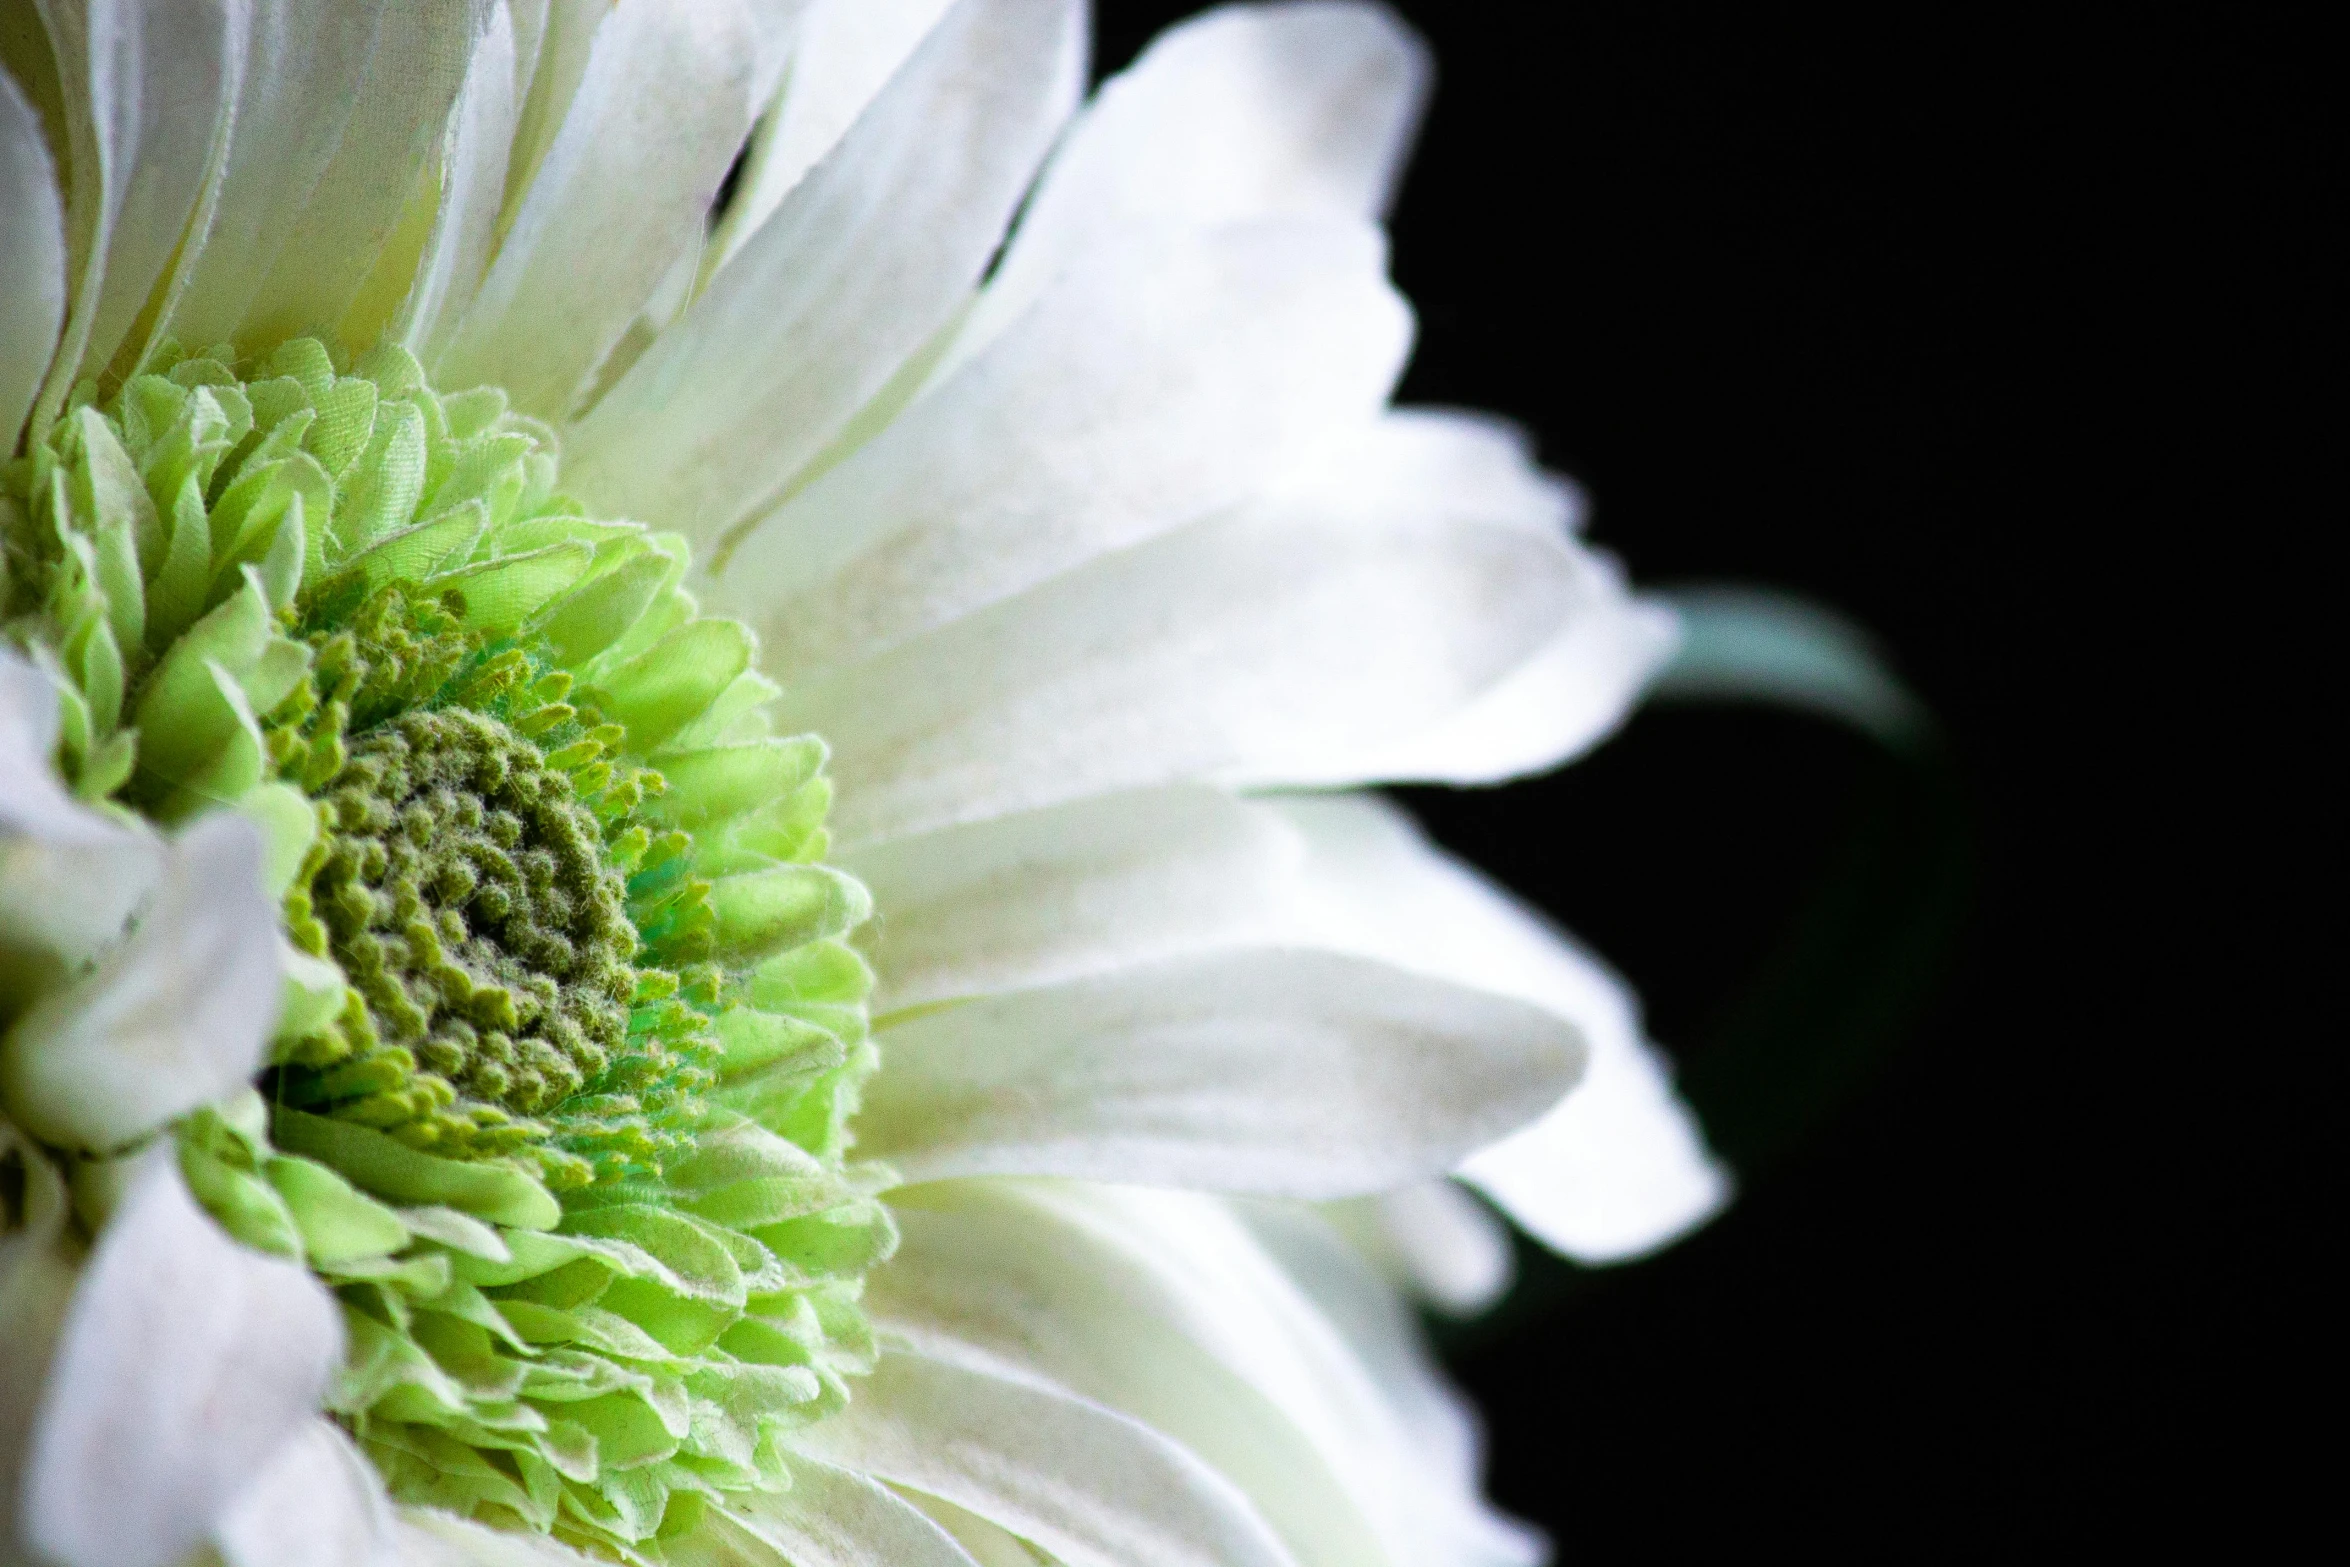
(1077, 565)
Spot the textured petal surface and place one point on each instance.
(862, 264)
(473, 188)
(841, 53)
(1089, 1485)
(1294, 1073)
(397, 119)
(317, 1504)
(829, 1518)
(174, 1017)
(32, 259)
(186, 1363)
(305, 63)
(1079, 889)
(148, 92)
(1245, 112)
(1162, 1305)
(624, 191)
(1164, 378)
(1616, 1169)
(1244, 650)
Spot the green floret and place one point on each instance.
(559, 1098)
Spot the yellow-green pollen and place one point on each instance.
(559, 1105)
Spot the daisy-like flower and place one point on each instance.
(655, 660)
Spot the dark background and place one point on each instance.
(1907, 316)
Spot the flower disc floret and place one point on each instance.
(559, 1095)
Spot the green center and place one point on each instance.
(558, 1104)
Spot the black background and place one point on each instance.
(1902, 315)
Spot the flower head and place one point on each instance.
(494, 604)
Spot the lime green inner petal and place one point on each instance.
(559, 1098)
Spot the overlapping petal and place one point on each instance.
(184, 1363)
(1290, 1072)
(1056, 564)
(1162, 1305)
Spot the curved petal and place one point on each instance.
(1244, 112)
(32, 801)
(148, 89)
(1089, 1485)
(32, 259)
(1162, 1305)
(1240, 651)
(186, 1363)
(1438, 1426)
(317, 1504)
(840, 54)
(1556, 705)
(829, 1518)
(1619, 1167)
(435, 1539)
(1083, 888)
(624, 190)
(863, 263)
(1434, 1240)
(473, 185)
(305, 64)
(398, 116)
(174, 1017)
(1294, 1073)
(1430, 465)
(1161, 379)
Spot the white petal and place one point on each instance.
(1244, 651)
(148, 88)
(32, 801)
(775, 24)
(186, 1362)
(624, 190)
(1294, 1073)
(1164, 377)
(317, 1504)
(1161, 1305)
(305, 61)
(1091, 1486)
(1427, 466)
(401, 108)
(863, 263)
(1437, 1426)
(1435, 1240)
(841, 52)
(435, 1539)
(473, 185)
(829, 1518)
(1077, 889)
(32, 258)
(1616, 1169)
(174, 1017)
(1557, 704)
(1244, 112)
